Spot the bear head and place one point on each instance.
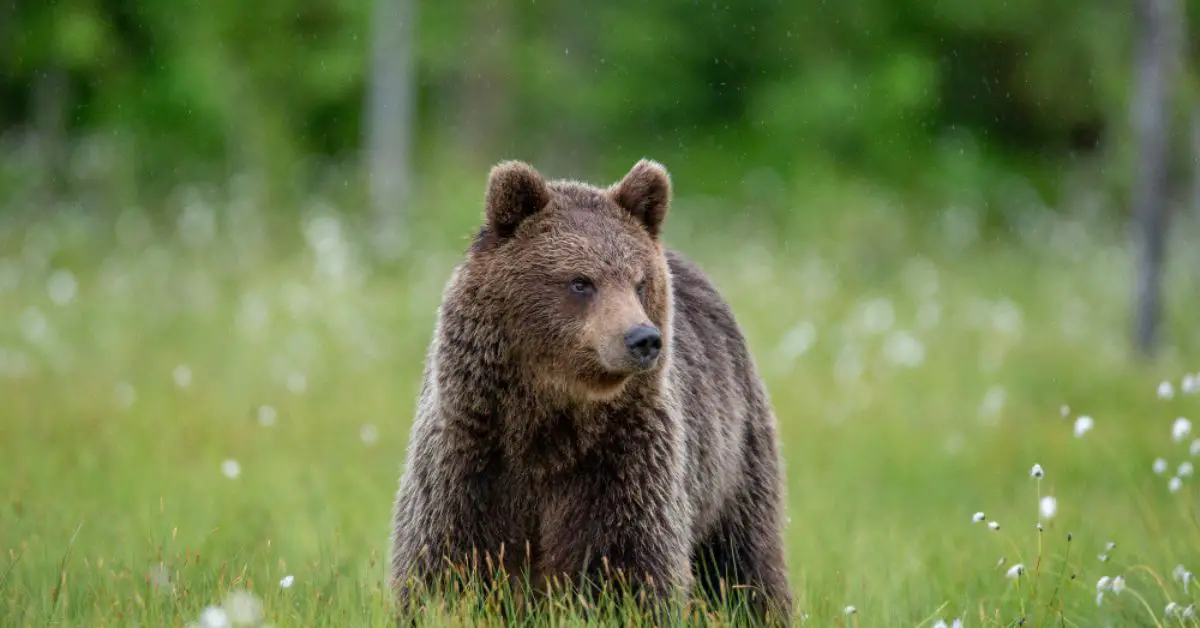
(575, 278)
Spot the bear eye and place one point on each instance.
(582, 286)
(641, 289)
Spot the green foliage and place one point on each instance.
(874, 88)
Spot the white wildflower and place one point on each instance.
(1195, 448)
(1103, 558)
(1104, 584)
(1166, 390)
(182, 376)
(850, 610)
(977, 517)
(1189, 612)
(1064, 411)
(1160, 466)
(1083, 425)
(253, 315)
(877, 316)
(243, 608)
(1170, 609)
(848, 367)
(287, 581)
(994, 525)
(125, 394)
(993, 402)
(1110, 546)
(1006, 318)
(957, 623)
(1190, 384)
(941, 623)
(34, 326)
(1037, 471)
(1185, 469)
(196, 223)
(1183, 575)
(902, 349)
(1048, 507)
(297, 383)
(214, 617)
(797, 341)
(1118, 585)
(61, 287)
(267, 415)
(1174, 484)
(1015, 571)
(1180, 429)
(231, 469)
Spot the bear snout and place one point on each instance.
(643, 343)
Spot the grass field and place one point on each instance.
(191, 408)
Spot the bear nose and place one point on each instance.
(644, 343)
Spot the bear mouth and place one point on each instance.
(597, 377)
(609, 380)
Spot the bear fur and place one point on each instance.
(589, 407)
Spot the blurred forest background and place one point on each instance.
(930, 96)
(1006, 106)
(944, 227)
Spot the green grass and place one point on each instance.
(916, 381)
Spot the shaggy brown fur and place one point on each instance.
(551, 439)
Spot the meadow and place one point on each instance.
(206, 407)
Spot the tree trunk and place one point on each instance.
(1157, 60)
(484, 99)
(570, 145)
(1194, 146)
(389, 119)
(51, 103)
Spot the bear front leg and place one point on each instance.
(448, 524)
(741, 563)
(617, 525)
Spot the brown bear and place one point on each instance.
(590, 408)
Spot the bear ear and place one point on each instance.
(646, 194)
(515, 192)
